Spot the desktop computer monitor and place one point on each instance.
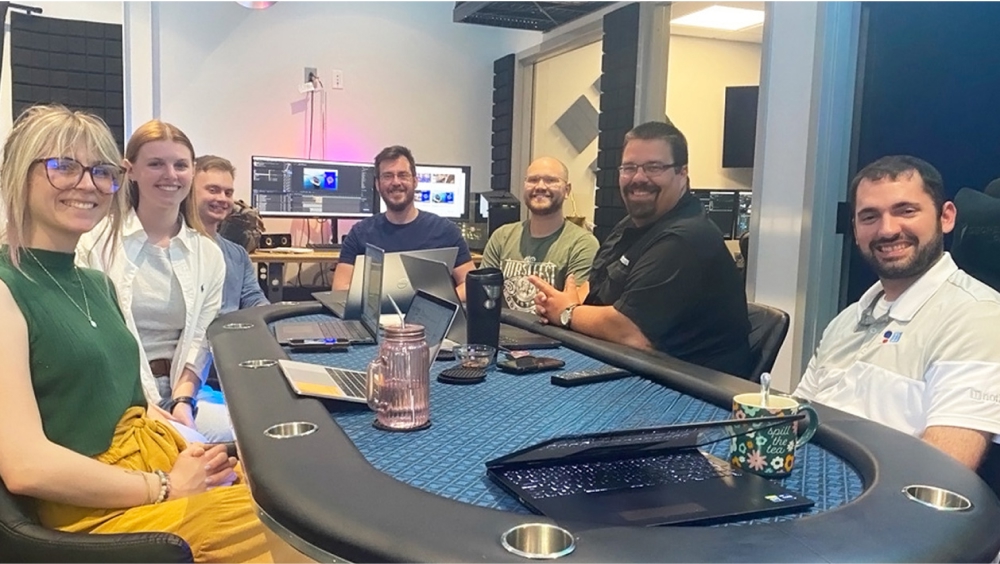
(743, 214)
(720, 205)
(283, 187)
(442, 190)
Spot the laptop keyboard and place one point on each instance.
(351, 381)
(339, 330)
(593, 477)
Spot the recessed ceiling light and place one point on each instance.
(722, 17)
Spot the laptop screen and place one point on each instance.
(641, 441)
(371, 297)
(435, 314)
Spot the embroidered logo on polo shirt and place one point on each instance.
(623, 260)
(891, 336)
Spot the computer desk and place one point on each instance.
(271, 267)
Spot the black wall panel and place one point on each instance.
(503, 122)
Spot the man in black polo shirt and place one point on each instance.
(663, 279)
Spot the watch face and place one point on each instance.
(564, 317)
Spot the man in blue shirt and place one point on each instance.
(213, 192)
(402, 227)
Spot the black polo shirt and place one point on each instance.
(680, 286)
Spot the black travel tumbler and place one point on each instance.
(483, 293)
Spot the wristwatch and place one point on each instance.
(566, 317)
(168, 404)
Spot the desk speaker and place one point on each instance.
(275, 240)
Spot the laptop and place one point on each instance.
(346, 304)
(434, 313)
(361, 331)
(435, 277)
(397, 284)
(644, 477)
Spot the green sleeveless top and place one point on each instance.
(84, 377)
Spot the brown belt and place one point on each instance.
(160, 367)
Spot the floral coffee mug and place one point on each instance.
(769, 452)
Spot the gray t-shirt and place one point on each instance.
(513, 250)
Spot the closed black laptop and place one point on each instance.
(644, 477)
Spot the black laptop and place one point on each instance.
(644, 477)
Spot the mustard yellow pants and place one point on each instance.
(220, 524)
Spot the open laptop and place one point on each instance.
(346, 304)
(363, 331)
(644, 477)
(396, 283)
(434, 313)
(435, 277)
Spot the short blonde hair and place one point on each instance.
(45, 131)
(156, 130)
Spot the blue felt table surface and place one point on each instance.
(472, 424)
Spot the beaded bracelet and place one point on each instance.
(164, 486)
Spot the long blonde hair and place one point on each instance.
(45, 131)
(156, 130)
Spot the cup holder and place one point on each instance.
(260, 363)
(937, 498)
(238, 326)
(538, 541)
(290, 430)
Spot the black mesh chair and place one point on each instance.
(23, 539)
(768, 327)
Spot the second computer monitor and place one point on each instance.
(308, 188)
(442, 190)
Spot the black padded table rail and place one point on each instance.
(341, 490)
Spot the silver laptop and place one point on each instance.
(435, 277)
(346, 304)
(434, 313)
(397, 284)
(363, 331)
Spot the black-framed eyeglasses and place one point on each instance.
(650, 169)
(65, 173)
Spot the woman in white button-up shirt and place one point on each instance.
(168, 274)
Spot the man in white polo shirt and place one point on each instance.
(919, 351)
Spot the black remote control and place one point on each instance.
(589, 376)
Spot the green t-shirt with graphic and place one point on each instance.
(512, 249)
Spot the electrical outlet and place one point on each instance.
(337, 79)
(309, 73)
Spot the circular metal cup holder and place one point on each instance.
(538, 541)
(259, 363)
(290, 430)
(238, 326)
(937, 498)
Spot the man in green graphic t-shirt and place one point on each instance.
(546, 245)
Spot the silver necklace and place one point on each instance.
(79, 279)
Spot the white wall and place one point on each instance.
(104, 12)
(559, 82)
(228, 77)
(698, 73)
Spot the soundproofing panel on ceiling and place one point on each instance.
(579, 124)
(503, 122)
(74, 63)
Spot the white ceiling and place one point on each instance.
(751, 35)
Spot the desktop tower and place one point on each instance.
(503, 207)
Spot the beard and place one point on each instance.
(554, 204)
(645, 209)
(398, 207)
(924, 256)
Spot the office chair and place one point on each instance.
(23, 539)
(976, 243)
(768, 327)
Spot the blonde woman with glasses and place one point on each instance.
(76, 432)
(169, 275)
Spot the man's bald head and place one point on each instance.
(546, 185)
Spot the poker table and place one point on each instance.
(350, 492)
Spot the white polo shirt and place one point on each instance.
(935, 360)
